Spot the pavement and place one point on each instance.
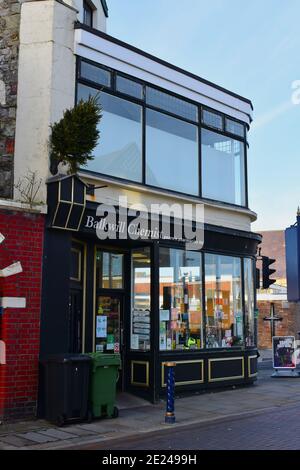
(140, 418)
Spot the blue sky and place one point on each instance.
(251, 48)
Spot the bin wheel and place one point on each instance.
(90, 416)
(60, 420)
(115, 412)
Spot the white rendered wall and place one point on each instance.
(46, 85)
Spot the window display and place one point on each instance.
(107, 324)
(223, 295)
(141, 301)
(180, 295)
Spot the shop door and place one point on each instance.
(109, 328)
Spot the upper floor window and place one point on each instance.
(223, 168)
(87, 14)
(153, 137)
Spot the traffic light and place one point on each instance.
(267, 272)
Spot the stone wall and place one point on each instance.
(9, 47)
(290, 324)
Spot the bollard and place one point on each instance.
(170, 415)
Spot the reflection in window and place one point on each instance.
(141, 299)
(212, 119)
(249, 302)
(119, 150)
(109, 267)
(95, 74)
(235, 127)
(171, 153)
(180, 299)
(129, 87)
(223, 293)
(223, 169)
(170, 103)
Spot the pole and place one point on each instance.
(170, 415)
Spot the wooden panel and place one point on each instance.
(140, 373)
(223, 369)
(186, 372)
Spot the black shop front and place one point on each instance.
(152, 301)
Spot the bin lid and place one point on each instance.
(102, 359)
(66, 357)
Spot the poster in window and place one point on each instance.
(101, 326)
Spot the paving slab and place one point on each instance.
(15, 441)
(57, 433)
(79, 431)
(37, 437)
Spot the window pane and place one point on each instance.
(171, 104)
(95, 74)
(212, 119)
(109, 268)
(171, 153)
(223, 294)
(223, 172)
(107, 324)
(124, 85)
(235, 128)
(141, 300)
(249, 302)
(119, 150)
(180, 300)
(87, 14)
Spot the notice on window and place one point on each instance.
(134, 341)
(101, 326)
(164, 315)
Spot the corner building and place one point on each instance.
(167, 137)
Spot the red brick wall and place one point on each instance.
(290, 324)
(20, 328)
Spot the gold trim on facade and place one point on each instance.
(249, 366)
(185, 382)
(222, 379)
(94, 297)
(140, 384)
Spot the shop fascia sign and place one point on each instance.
(137, 221)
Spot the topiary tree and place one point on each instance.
(75, 136)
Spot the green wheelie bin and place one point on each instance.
(105, 372)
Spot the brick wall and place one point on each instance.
(20, 328)
(290, 325)
(9, 50)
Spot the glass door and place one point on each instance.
(108, 324)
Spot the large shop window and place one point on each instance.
(223, 294)
(109, 270)
(180, 299)
(141, 300)
(223, 168)
(249, 302)
(119, 150)
(171, 153)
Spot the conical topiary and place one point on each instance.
(75, 136)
